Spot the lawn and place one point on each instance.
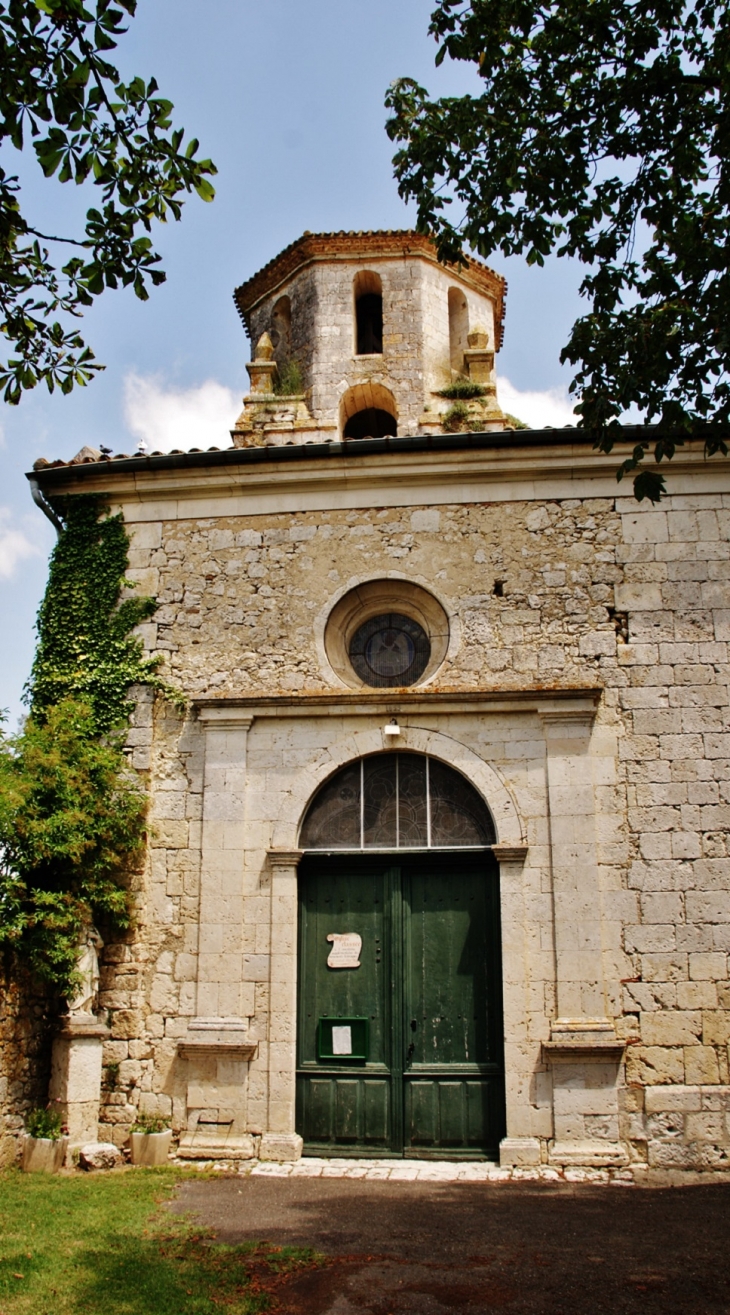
(104, 1245)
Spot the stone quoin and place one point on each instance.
(453, 692)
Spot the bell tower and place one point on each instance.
(366, 335)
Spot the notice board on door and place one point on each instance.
(342, 1039)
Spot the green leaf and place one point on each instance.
(86, 126)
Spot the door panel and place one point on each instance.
(341, 896)
(454, 1115)
(429, 985)
(448, 952)
(345, 1103)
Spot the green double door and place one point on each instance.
(403, 1053)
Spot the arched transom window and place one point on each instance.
(397, 801)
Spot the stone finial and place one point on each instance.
(478, 338)
(262, 368)
(264, 348)
(478, 360)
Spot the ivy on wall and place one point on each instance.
(72, 813)
(85, 646)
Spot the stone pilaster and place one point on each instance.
(280, 1141)
(220, 990)
(76, 1076)
(576, 893)
(217, 1049)
(583, 1050)
(520, 1146)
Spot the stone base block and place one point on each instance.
(43, 1155)
(202, 1145)
(591, 1154)
(281, 1146)
(516, 1152)
(76, 1077)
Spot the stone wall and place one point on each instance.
(546, 595)
(243, 601)
(595, 593)
(25, 1056)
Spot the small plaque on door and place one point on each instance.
(342, 1039)
(345, 952)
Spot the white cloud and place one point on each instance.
(552, 406)
(15, 546)
(169, 418)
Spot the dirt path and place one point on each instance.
(433, 1249)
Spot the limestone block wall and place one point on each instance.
(243, 601)
(596, 592)
(435, 285)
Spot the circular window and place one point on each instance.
(386, 633)
(390, 649)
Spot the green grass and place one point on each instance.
(104, 1245)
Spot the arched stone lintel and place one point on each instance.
(414, 739)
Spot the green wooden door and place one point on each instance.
(426, 993)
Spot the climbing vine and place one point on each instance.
(72, 813)
(86, 649)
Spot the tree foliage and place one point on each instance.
(60, 96)
(601, 132)
(71, 829)
(72, 814)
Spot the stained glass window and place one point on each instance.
(390, 650)
(397, 801)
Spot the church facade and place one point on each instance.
(438, 855)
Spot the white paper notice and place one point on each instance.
(345, 952)
(342, 1040)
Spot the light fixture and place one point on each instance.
(392, 729)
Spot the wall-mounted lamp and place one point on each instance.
(392, 731)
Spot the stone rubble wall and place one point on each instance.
(25, 1056)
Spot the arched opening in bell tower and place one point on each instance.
(368, 292)
(368, 410)
(280, 331)
(458, 328)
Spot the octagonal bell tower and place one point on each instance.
(360, 335)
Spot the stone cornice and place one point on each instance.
(583, 1039)
(230, 711)
(215, 1048)
(510, 853)
(396, 472)
(216, 719)
(284, 858)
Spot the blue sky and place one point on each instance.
(288, 100)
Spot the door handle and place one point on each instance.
(412, 1046)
